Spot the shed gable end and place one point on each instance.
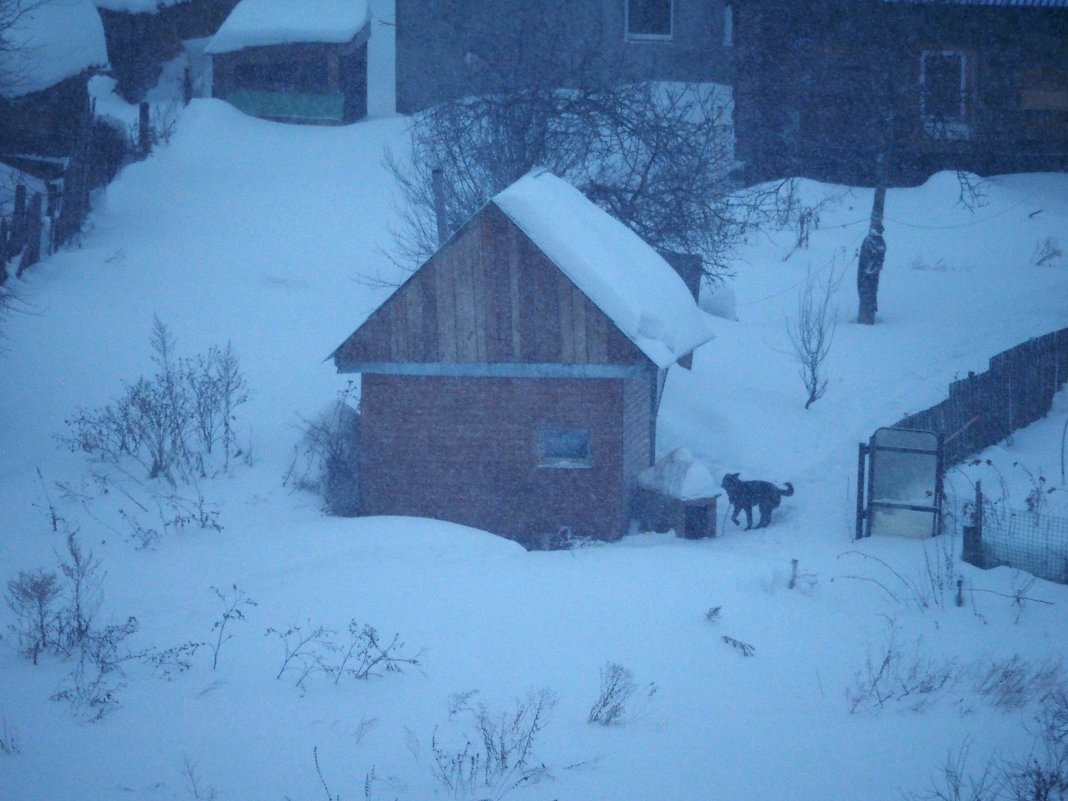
(489, 295)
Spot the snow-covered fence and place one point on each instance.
(1027, 539)
(985, 408)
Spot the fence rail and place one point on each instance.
(985, 408)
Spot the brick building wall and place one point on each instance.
(466, 450)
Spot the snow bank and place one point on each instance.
(259, 23)
(51, 42)
(679, 475)
(616, 269)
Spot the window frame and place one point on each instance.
(630, 36)
(547, 459)
(947, 127)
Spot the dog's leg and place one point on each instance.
(748, 517)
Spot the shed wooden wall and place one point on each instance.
(489, 296)
(465, 450)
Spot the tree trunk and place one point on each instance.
(870, 263)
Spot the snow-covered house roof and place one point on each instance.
(49, 43)
(262, 23)
(614, 267)
(138, 6)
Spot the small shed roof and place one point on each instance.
(49, 43)
(262, 23)
(614, 267)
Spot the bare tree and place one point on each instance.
(657, 156)
(812, 331)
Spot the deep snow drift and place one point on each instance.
(261, 234)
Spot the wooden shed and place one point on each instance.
(512, 382)
(49, 52)
(294, 60)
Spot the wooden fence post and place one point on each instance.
(861, 459)
(4, 233)
(32, 253)
(144, 139)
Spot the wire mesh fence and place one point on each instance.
(996, 534)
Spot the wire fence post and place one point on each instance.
(972, 545)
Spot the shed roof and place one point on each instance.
(614, 267)
(50, 42)
(261, 23)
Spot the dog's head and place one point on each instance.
(730, 480)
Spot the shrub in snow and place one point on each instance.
(327, 459)
(58, 613)
(564, 539)
(1048, 251)
(812, 331)
(495, 754)
(1041, 776)
(742, 647)
(234, 604)
(173, 423)
(30, 597)
(360, 654)
(900, 676)
(9, 738)
(617, 687)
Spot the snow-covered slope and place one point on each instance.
(260, 234)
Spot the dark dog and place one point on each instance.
(744, 495)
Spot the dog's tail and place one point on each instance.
(789, 489)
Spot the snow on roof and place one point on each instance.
(259, 23)
(616, 269)
(137, 6)
(49, 43)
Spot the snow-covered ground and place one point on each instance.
(262, 235)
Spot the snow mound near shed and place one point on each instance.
(679, 475)
(621, 273)
(262, 23)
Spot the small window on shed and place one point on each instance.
(649, 19)
(564, 447)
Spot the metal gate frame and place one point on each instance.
(866, 480)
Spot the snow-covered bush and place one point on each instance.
(326, 460)
(173, 423)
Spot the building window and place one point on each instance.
(944, 93)
(728, 25)
(564, 447)
(649, 19)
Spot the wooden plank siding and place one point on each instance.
(489, 295)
